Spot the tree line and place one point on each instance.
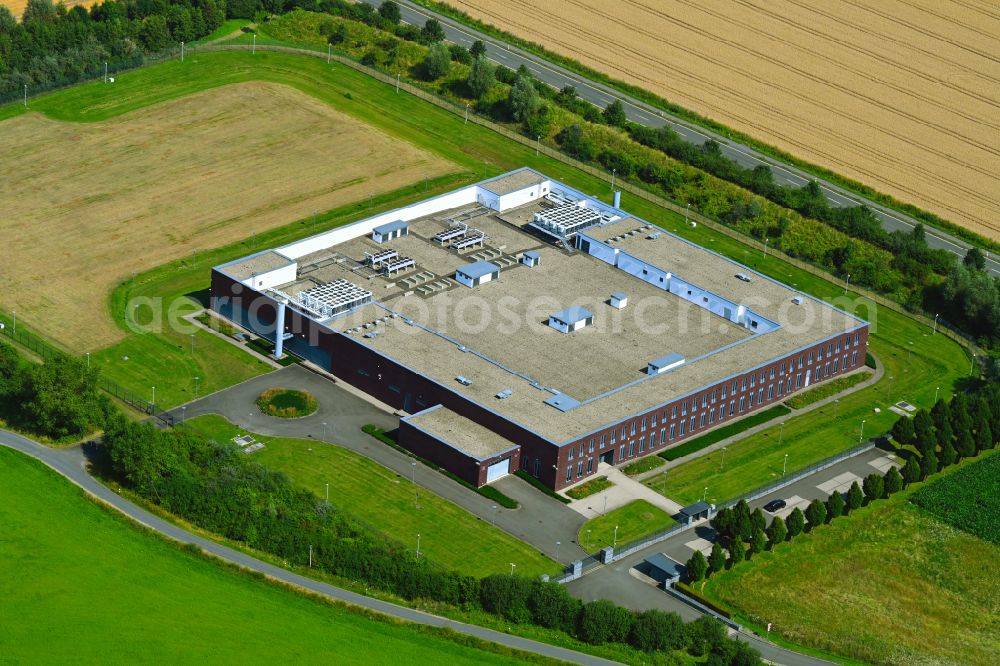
(216, 487)
(53, 46)
(952, 430)
(60, 400)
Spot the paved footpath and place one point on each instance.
(70, 462)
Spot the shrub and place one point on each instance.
(696, 566)
(796, 523)
(437, 63)
(706, 633)
(575, 143)
(614, 114)
(816, 513)
(603, 622)
(655, 630)
(506, 596)
(552, 606)
(835, 505)
(874, 487)
(287, 403)
(855, 498)
(777, 532)
(523, 99)
(893, 481)
(737, 552)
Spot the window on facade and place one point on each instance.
(742, 403)
(836, 365)
(538, 465)
(753, 381)
(760, 395)
(810, 358)
(800, 362)
(603, 440)
(621, 452)
(798, 381)
(643, 426)
(684, 408)
(590, 466)
(715, 394)
(673, 412)
(819, 354)
(711, 416)
(701, 421)
(581, 451)
(633, 428)
(363, 372)
(744, 387)
(704, 401)
(772, 373)
(579, 468)
(857, 339)
(569, 473)
(854, 358)
(694, 404)
(590, 449)
(750, 401)
(724, 394)
(781, 387)
(683, 428)
(642, 444)
(691, 423)
(663, 435)
(652, 422)
(614, 437)
(732, 406)
(673, 430)
(572, 451)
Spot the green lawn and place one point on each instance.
(889, 585)
(935, 361)
(391, 504)
(634, 520)
(81, 585)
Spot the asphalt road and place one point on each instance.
(70, 462)
(642, 113)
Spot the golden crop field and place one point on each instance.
(902, 95)
(88, 204)
(17, 6)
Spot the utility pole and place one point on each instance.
(310, 556)
(538, 138)
(253, 50)
(106, 66)
(328, 491)
(614, 172)
(397, 83)
(26, 95)
(847, 285)
(466, 113)
(418, 545)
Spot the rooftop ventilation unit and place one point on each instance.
(619, 300)
(797, 300)
(660, 365)
(504, 394)
(565, 220)
(334, 297)
(463, 381)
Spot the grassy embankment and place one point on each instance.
(126, 596)
(449, 535)
(890, 584)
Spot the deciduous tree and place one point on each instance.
(482, 77)
(614, 114)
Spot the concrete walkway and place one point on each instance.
(626, 489)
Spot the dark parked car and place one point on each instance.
(774, 505)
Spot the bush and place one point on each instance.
(575, 143)
(893, 481)
(552, 606)
(506, 596)
(588, 488)
(737, 552)
(703, 600)
(482, 77)
(796, 523)
(816, 513)
(706, 633)
(604, 622)
(776, 532)
(655, 630)
(437, 63)
(855, 498)
(287, 403)
(835, 505)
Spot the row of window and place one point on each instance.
(709, 414)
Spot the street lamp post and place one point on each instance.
(614, 542)
(687, 212)
(936, 389)
(847, 285)
(512, 565)
(184, 411)
(724, 449)
(418, 545)
(153, 401)
(538, 138)
(196, 380)
(413, 480)
(704, 494)
(972, 365)
(909, 351)
(327, 491)
(493, 517)
(784, 465)
(935, 323)
(889, 395)
(88, 360)
(324, 431)
(861, 437)
(466, 114)
(614, 172)
(765, 247)
(836, 407)
(558, 543)
(781, 432)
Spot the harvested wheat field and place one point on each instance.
(903, 95)
(17, 6)
(86, 205)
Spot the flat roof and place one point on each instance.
(664, 361)
(531, 253)
(461, 433)
(667, 565)
(573, 314)
(512, 182)
(478, 269)
(256, 264)
(562, 387)
(696, 508)
(391, 226)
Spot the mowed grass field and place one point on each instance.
(889, 585)
(90, 204)
(902, 95)
(449, 535)
(634, 520)
(81, 585)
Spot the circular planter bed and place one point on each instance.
(287, 403)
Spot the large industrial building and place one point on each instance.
(520, 324)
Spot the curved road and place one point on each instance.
(70, 462)
(639, 112)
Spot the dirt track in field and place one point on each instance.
(903, 95)
(89, 204)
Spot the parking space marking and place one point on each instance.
(884, 463)
(791, 503)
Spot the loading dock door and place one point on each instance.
(497, 470)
